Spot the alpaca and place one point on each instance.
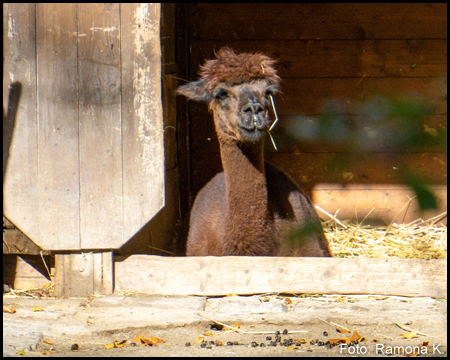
(251, 208)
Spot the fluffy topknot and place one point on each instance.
(234, 69)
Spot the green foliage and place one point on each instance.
(302, 233)
(425, 197)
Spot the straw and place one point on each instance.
(419, 239)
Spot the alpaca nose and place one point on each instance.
(253, 108)
(254, 116)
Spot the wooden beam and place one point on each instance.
(84, 274)
(250, 275)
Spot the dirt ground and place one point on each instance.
(80, 327)
(376, 342)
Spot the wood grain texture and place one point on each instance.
(253, 275)
(384, 204)
(20, 155)
(317, 21)
(339, 58)
(367, 169)
(25, 271)
(101, 212)
(84, 274)
(142, 124)
(350, 133)
(58, 160)
(16, 242)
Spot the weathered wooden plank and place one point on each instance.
(84, 274)
(357, 99)
(16, 242)
(168, 38)
(339, 58)
(58, 162)
(20, 199)
(107, 275)
(318, 21)
(251, 275)
(384, 204)
(361, 168)
(142, 124)
(310, 169)
(62, 275)
(25, 271)
(349, 95)
(353, 133)
(101, 213)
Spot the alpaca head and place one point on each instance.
(237, 88)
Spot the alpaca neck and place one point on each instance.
(246, 229)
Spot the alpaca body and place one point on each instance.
(288, 210)
(251, 208)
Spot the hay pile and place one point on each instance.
(419, 239)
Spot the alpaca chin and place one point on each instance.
(251, 136)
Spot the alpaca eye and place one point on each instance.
(221, 95)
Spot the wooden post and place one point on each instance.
(84, 274)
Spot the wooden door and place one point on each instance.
(83, 133)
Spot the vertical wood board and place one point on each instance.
(58, 161)
(142, 125)
(20, 153)
(101, 212)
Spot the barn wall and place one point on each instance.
(346, 61)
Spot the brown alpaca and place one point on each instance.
(251, 208)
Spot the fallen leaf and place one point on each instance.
(21, 352)
(199, 340)
(208, 334)
(415, 352)
(237, 326)
(109, 346)
(48, 342)
(301, 341)
(120, 343)
(410, 335)
(219, 343)
(232, 294)
(345, 340)
(8, 309)
(355, 336)
(37, 309)
(157, 340)
(288, 300)
(148, 342)
(342, 331)
(293, 347)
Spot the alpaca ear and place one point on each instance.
(195, 90)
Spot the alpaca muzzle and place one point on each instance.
(254, 117)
